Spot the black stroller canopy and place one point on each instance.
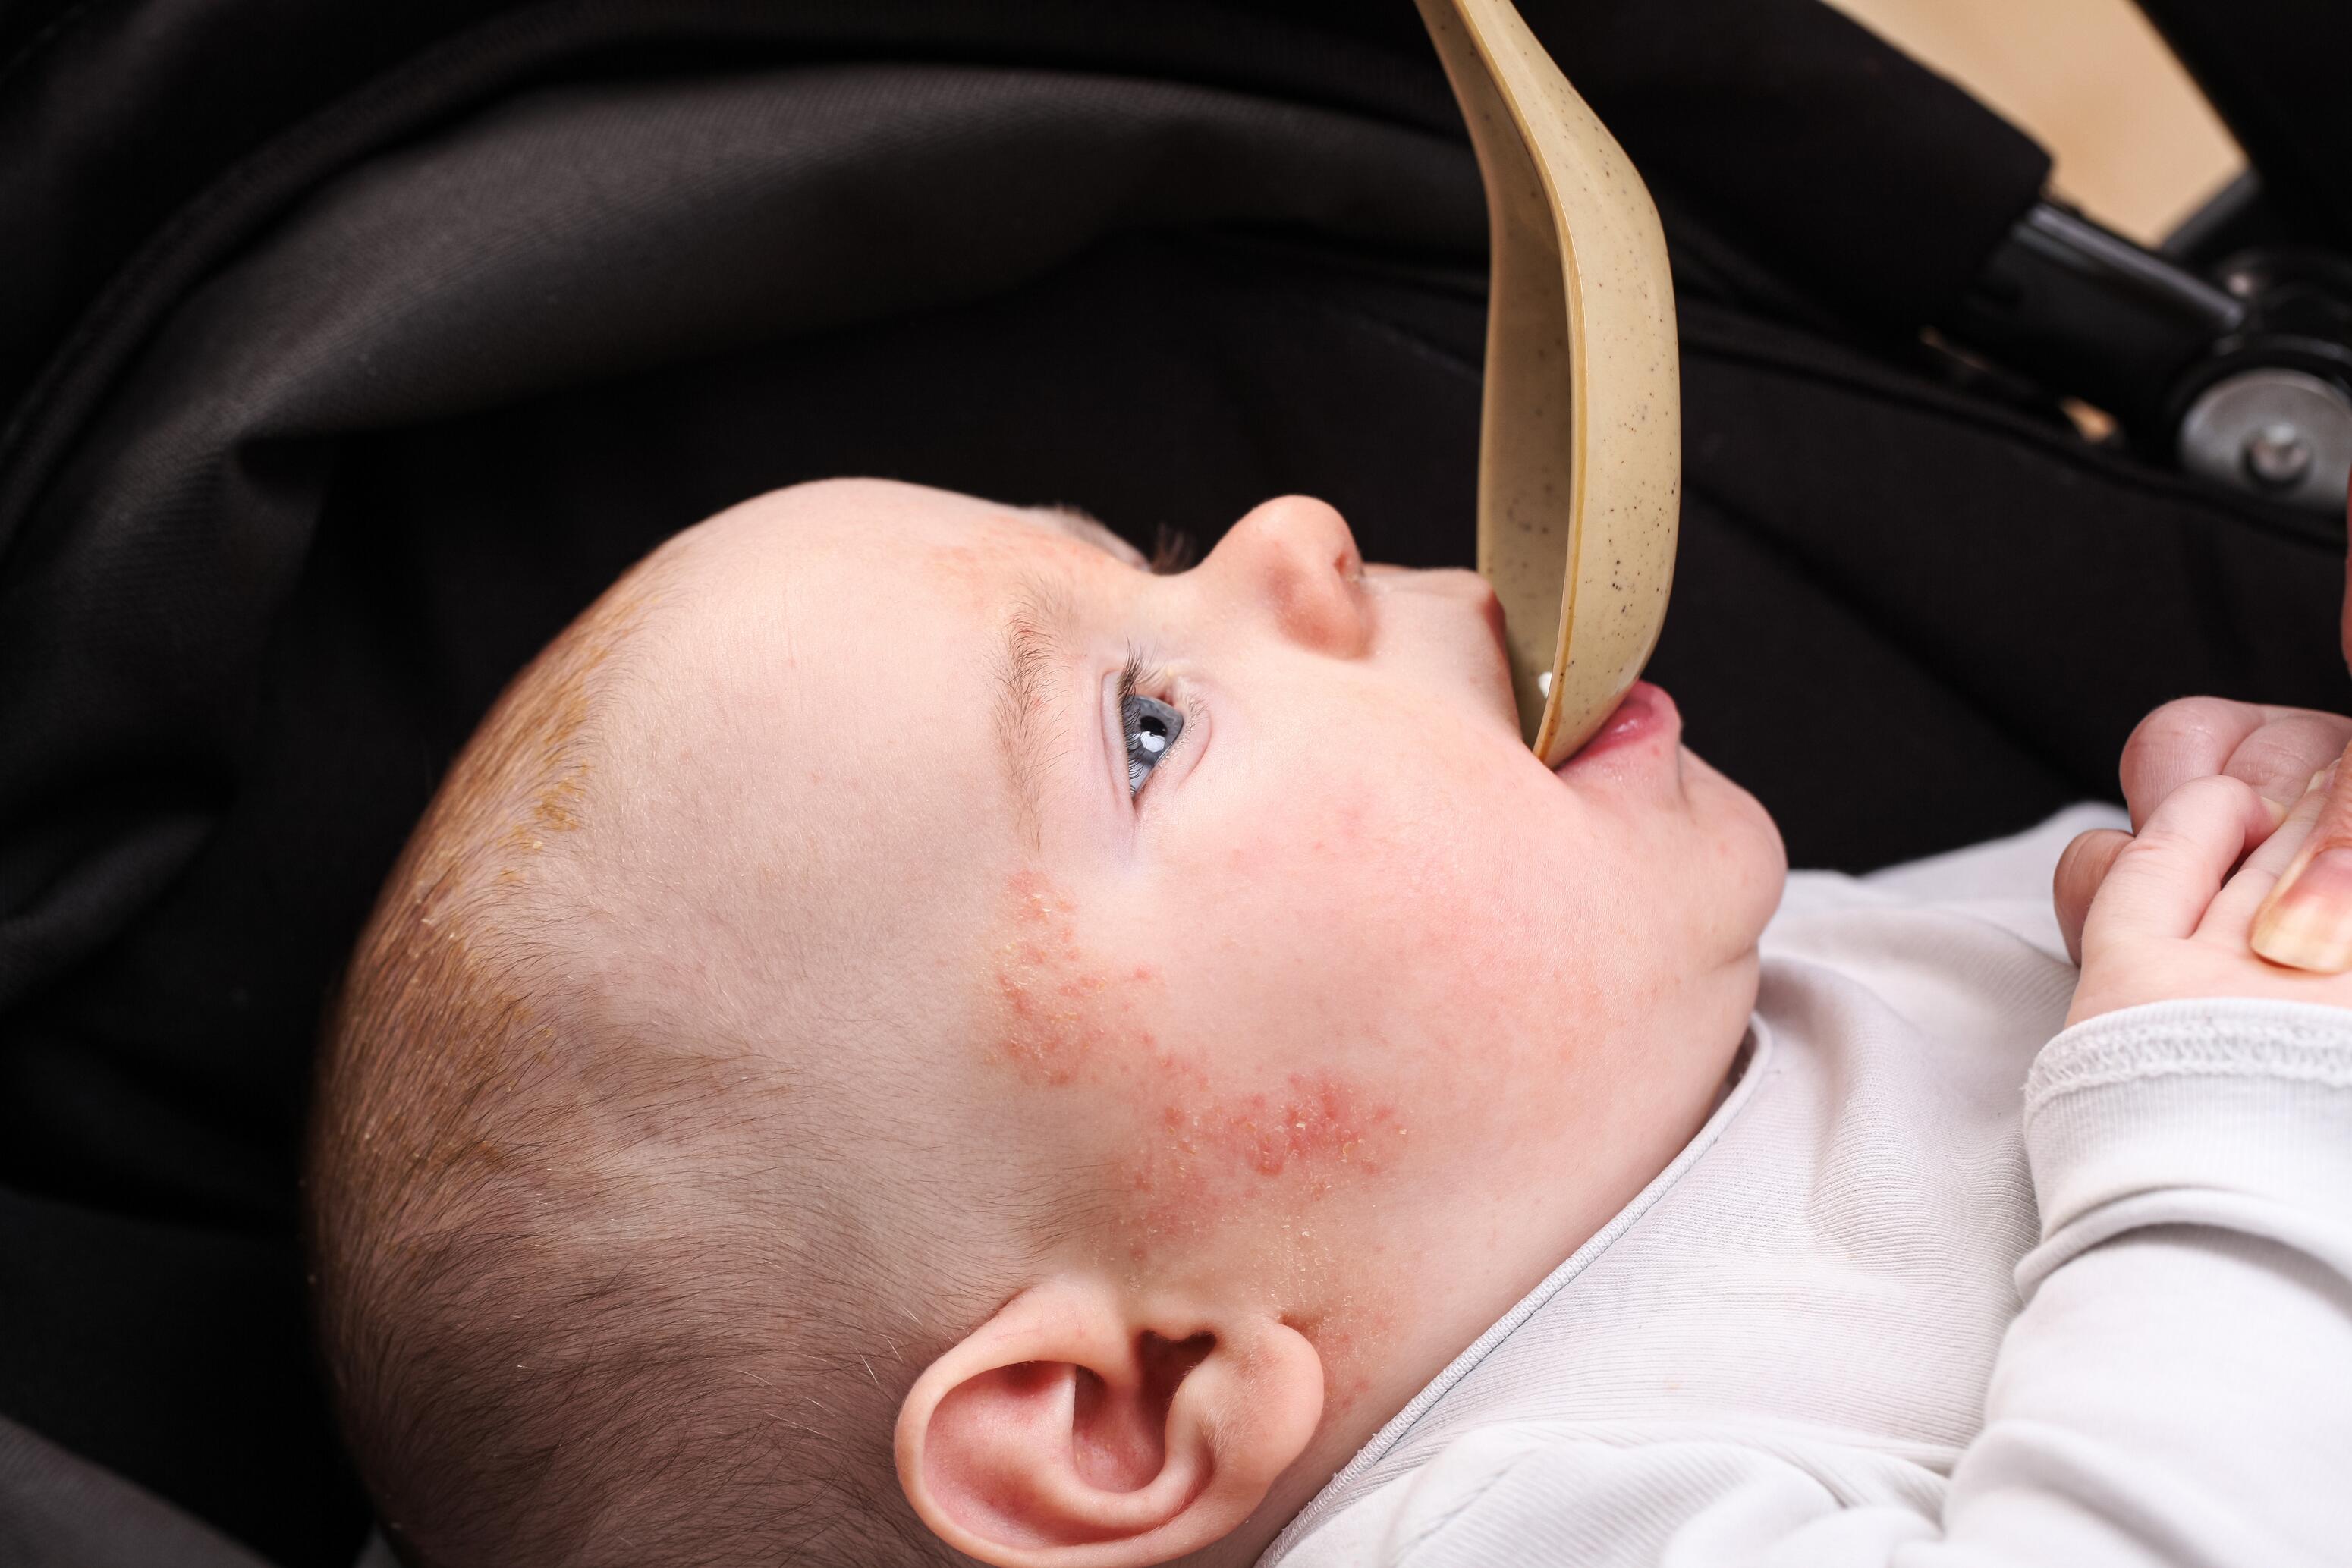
(349, 350)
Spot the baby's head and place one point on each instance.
(906, 1025)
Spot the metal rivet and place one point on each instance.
(2277, 456)
(2276, 432)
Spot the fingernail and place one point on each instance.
(2306, 922)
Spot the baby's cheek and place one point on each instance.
(1392, 917)
(1056, 1012)
(1457, 941)
(1213, 1126)
(1211, 1111)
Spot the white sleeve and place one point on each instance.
(2177, 1388)
(2179, 1385)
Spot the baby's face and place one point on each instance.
(1235, 888)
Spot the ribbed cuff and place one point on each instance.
(2213, 1112)
(2207, 1034)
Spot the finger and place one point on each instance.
(2192, 737)
(2280, 758)
(2230, 918)
(2081, 869)
(2276, 749)
(2307, 921)
(2162, 882)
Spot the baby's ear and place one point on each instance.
(1076, 1430)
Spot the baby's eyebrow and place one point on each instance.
(1035, 653)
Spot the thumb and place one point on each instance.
(2081, 869)
(2307, 921)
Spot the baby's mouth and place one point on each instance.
(1644, 715)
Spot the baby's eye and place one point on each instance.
(1151, 727)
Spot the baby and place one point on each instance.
(911, 1036)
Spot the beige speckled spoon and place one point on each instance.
(1580, 461)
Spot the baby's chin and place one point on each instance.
(1747, 837)
(1701, 777)
(1700, 839)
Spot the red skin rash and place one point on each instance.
(1315, 1122)
(1064, 1017)
(1053, 1009)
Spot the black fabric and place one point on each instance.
(370, 416)
(1857, 175)
(57, 1510)
(144, 142)
(1909, 620)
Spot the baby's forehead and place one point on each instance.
(836, 658)
(1083, 526)
(988, 563)
(894, 557)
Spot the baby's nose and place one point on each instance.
(1296, 557)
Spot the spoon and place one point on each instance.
(1579, 455)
